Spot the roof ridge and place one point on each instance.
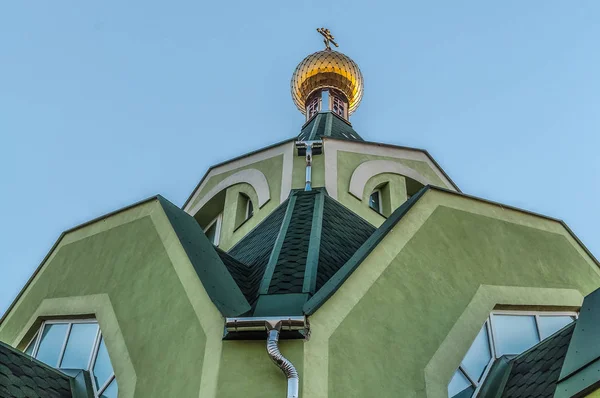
(274, 256)
(217, 280)
(314, 245)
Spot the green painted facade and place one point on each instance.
(246, 370)
(435, 277)
(128, 262)
(347, 164)
(399, 325)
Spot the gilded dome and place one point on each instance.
(327, 69)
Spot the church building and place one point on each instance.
(327, 265)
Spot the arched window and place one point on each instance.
(375, 201)
(76, 344)
(213, 229)
(313, 107)
(245, 209)
(503, 333)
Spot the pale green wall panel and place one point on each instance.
(164, 338)
(383, 345)
(317, 171)
(247, 371)
(271, 168)
(232, 233)
(393, 193)
(349, 161)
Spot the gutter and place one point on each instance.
(273, 327)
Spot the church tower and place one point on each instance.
(357, 267)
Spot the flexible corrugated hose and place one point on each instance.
(283, 363)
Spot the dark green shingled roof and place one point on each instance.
(535, 372)
(330, 286)
(254, 251)
(23, 376)
(341, 228)
(221, 287)
(290, 265)
(532, 374)
(296, 249)
(328, 124)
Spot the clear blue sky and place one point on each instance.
(104, 103)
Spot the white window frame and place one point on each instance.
(219, 221)
(248, 204)
(489, 323)
(337, 101)
(379, 201)
(313, 107)
(36, 340)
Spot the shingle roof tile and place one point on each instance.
(23, 376)
(340, 234)
(535, 372)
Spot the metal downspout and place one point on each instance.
(308, 185)
(273, 326)
(283, 363)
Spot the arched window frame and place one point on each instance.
(313, 107)
(34, 345)
(379, 208)
(492, 339)
(217, 222)
(249, 208)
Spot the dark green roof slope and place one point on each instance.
(535, 372)
(288, 274)
(328, 124)
(218, 282)
(242, 275)
(296, 249)
(334, 282)
(23, 376)
(341, 229)
(254, 251)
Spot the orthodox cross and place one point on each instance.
(328, 37)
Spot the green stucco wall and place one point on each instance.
(272, 169)
(231, 231)
(317, 172)
(433, 264)
(349, 161)
(393, 193)
(247, 371)
(129, 263)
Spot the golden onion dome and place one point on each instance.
(327, 69)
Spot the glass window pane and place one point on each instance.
(110, 391)
(79, 346)
(514, 333)
(551, 324)
(478, 356)
(374, 201)
(29, 349)
(53, 338)
(102, 368)
(250, 210)
(211, 233)
(458, 383)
